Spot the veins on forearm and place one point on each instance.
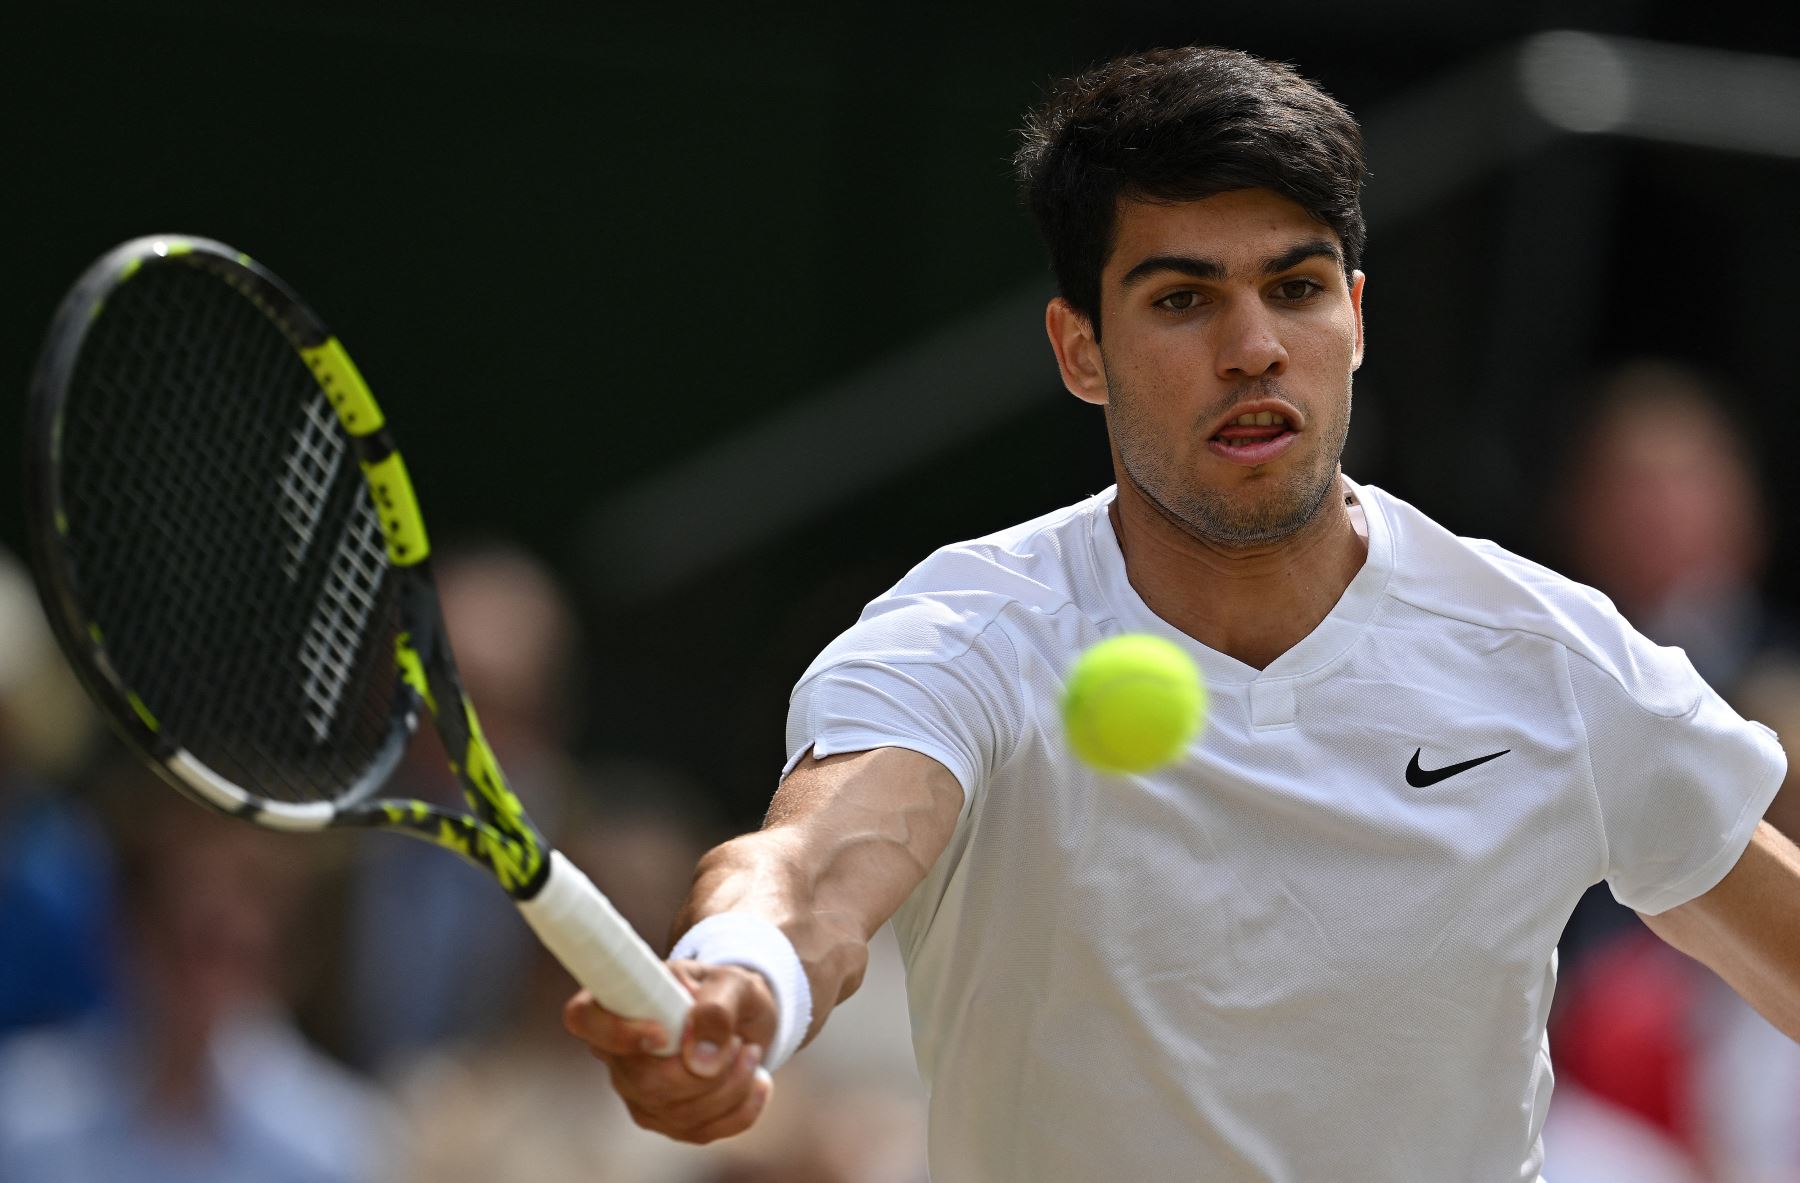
(829, 879)
(846, 840)
(765, 874)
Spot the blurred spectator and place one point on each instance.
(196, 1075)
(1664, 513)
(437, 951)
(1662, 510)
(55, 891)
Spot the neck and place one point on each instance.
(1251, 603)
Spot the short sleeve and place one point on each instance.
(1682, 780)
(923, 675)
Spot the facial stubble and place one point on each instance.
(1267, 508)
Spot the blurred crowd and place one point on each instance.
(186, 998)
(1663, 1073)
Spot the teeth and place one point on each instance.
(1261, 419)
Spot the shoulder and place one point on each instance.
(963, 595)
(1041, 565)
(1481, 586)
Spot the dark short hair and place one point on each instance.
(1181, 125)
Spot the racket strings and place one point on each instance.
(223, 541)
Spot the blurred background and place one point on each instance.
(701, 326)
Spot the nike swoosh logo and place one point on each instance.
(1420, 778)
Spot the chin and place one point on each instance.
(1256, 513)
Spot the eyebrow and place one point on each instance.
(1201, 268)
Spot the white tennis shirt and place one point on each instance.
(1277, 959)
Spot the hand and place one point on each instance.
(711, 1089)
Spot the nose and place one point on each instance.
(1249, 344)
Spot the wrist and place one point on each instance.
(751, 942)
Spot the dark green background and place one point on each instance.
(570, 245)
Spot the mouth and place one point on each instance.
(1256, 433)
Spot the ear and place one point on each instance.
(1077, 353)
(1356, 295)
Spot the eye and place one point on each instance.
(1179, 301)
(1296, 290)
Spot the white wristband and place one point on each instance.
(739, 938)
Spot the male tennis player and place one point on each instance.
(1320, 946)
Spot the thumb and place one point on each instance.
(711, 1041)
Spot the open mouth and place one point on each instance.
(1255, 437)
(1255, 428)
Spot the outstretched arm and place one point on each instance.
(1747, 928)
(846, 839)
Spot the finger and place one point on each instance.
(748, 995)
(727, 999)
(606, 1033)
(729, 1090)
(713, 1021)
(683, 1120)
(661, 1084)
(609, 1034)
(741, 1118)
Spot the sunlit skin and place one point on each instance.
(1238, 301)
(1208, 309)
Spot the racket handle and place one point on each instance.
(611, 961)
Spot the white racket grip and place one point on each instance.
(594, 943)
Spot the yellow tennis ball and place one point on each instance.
(1133, 703)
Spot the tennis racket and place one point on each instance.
(232, 556)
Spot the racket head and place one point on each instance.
(205, 541)
(231, 555)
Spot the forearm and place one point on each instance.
(764, 875)
(847, 838)
(1747, 929)
(1773, 990)
(1771, 987)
